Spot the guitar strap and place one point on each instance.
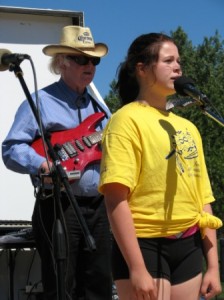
(96, 106)
(78, 102)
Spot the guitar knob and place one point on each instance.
(57, 147)
(76, 161)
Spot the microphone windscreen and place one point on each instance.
(3, 67)
(180, 84)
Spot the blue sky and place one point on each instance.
(117, 23)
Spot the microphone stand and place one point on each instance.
(203, 104)
(58, 176)
(206, 111)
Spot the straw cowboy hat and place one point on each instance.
(77, 40)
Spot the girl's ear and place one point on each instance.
(140, 67)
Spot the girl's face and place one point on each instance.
(168, 68)
(159, 77)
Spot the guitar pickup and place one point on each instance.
(79, 145)
(96, 137)
(61, 152)
(87, 142)
(70, 149)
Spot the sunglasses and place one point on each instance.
(84, 60)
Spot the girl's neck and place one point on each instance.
(161, 105)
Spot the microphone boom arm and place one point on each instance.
(185, 87)
(206, 111)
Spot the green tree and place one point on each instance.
(112, 99)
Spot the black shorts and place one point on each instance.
(175, 260)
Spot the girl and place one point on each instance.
(156, 186)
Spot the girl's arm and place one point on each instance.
(124, 232)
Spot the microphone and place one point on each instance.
(185, 87)
(7, 58)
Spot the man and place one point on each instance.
(65, 105)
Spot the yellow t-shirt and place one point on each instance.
(159, 156)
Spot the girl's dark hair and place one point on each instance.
(145, 49)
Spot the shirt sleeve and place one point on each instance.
(121, 154)
(17, 153)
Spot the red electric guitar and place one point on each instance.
(76, 147)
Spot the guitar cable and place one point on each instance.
(41, 128)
